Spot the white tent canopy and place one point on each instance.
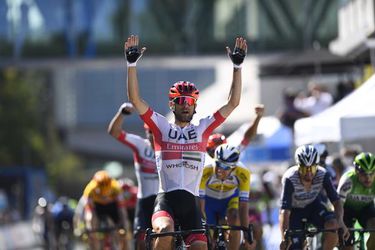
(351, 118)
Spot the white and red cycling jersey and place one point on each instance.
(180, 152)
(144, 163)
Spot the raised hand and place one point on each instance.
(239, 53)
(259, 109)
(132, 51)
(126, 108)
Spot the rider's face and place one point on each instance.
(184, 112)
(222, 171)
(307, 173)
(366, 179)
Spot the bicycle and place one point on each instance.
(308, 233)
(178, 235)
(361, 235)
(64, 235)
(221, 242)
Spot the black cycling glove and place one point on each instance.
(237, 56)
(132, 55)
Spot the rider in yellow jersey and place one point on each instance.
(104, 200)
(224, 192)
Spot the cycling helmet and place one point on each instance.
(102, 178)
(215, 140)
(227, 154)
(365, 162)
(183, 88)
(306, 156)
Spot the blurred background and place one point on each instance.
(63, 72)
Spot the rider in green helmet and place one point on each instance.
(357, 190)
(365, 163)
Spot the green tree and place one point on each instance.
(28, 133)
(21, 139)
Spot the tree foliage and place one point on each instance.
(28, 133)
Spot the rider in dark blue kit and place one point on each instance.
(301, 198)
(62, 215)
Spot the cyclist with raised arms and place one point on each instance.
(357, 191)
(224, 192)
(302, 186)
(145, 171)
(180, 146)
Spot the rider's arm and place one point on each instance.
(121, 204)
(345, 187)
(336, 202)
(252, 130)
(115, 126)
(243, 210)
(235, 90)
(286, 205)
(284, 221)
(132, 81)
(207, 172)
(244, 188)
(202, 204)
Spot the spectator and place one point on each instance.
(339, 168)
(289, 113)
(317, 101)
(343, 89)
(348, 153)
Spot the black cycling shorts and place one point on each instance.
(143, 213)
(182, 206)
(316, 214)
(362, 215)
(108, 210)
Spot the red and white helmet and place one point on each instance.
(183, 88)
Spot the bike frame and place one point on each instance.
(308, 232)
(361, 236)
(178, 235)
(219, 229)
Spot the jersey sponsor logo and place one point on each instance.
(184, 164)
(361, 198)
(182, 147)
(189, 134)
(305, 195)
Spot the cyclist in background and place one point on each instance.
(180, 146)
(301, 198)
(130, 191)
(217, 139)
(145, 170)
(224, 192)
(357, 191)
(42, 222)
(62, 215)
(104, 200)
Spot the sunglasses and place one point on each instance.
(184, 99)
(307, 169)
(223, 166)
(364, 173)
